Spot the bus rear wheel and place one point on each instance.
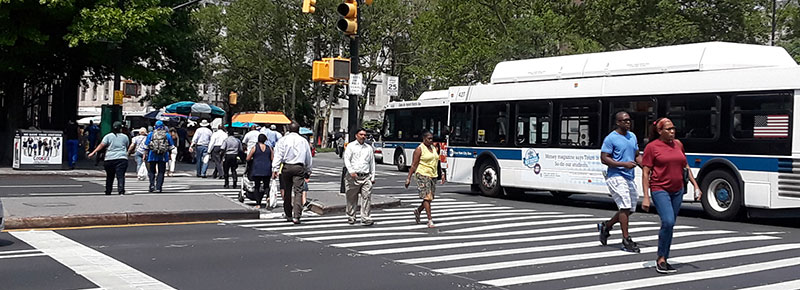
(400, 161)
(489, 180)
(722, 197)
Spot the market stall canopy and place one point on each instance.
(262, 118)
(240, 125)
(194, 109)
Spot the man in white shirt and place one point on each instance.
(200, 142)
(359, 159)
(294, 152)
(216, 150)
(272, 135)
(251, 138)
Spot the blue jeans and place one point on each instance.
(139, 157)
(201, 166)
(668, 204)
(156, 181)
(72, 152)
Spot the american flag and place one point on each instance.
(771, 126)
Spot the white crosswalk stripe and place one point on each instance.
(503, 246)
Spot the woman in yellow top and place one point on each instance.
(425, 169)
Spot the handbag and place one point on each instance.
(685, 178)
(273, 192)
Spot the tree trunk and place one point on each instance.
(317, 110)
(294, 98)
(261, 103)
(327, 116)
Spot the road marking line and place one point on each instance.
(97, 267)
(115, 226)
(439, 225)
(794, 284)
(368, 235)
(14, 252)
(456, 257)
(277, 218)
(22, 256)
(435, 206)
(597, 255)
(709, 274)
(340, 221)
(41, 185)
(493, 242)
(476, 236)
(641, 265)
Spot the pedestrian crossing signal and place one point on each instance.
(330, 69)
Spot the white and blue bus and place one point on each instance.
(403, 122)
(540, 123)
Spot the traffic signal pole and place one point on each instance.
(352, 103)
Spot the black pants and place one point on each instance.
(292, 178)
(229, 167)
(115, 168)
(216, 160)
(155, 184)
(261, 182)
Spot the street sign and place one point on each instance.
(393, 86)
(356, 86)
(118, 97)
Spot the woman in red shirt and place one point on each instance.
(663, 163)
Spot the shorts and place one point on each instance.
(624, 192)
(426, 186)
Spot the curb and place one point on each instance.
(127, 218)
(322, 209)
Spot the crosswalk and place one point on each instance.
(508, 247)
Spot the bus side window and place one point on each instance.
(533, 123)
(580, 124)
(695, 117)
(761, 116)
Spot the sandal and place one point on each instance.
(431, 225)
(416, 215)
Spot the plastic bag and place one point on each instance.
(141, 173)
(273, 192)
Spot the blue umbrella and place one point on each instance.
(162, 116)
(187, 108)
(306, 131)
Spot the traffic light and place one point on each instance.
(349, 11)
(330, 69)
(308, 6)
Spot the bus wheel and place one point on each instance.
(722, 197)
(560, 194)
(400, 161)
(489, 180)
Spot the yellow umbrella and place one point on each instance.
(261, 117)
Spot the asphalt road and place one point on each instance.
(479, 243)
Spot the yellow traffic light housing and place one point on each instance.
(330, 69)
(309, 6)
(349, 11)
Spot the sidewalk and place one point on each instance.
(76, 211)
(87, 168)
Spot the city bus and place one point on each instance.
(404, 121)
(539, 124)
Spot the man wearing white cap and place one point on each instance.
(200, 142)
(137, 149)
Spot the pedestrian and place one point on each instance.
(425, 169)
(92, 131)
(182, 137)
(664, 176)
(158, 145)
(620, 152)
(137, 149)
(261, 156)
(231, 147)
(72, 133)
(200, 142)
(173, 153)
(116, 159)
(217, 138)
(251, 138)
(292, 150)
(359, 159)
(272, 135)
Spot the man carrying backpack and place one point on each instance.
(158, 145)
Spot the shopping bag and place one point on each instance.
(273, 192)
(141, 173)
(206, 157)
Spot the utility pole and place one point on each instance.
(772, 36)
(352, 103)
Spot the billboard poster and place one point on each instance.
(40, 148)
